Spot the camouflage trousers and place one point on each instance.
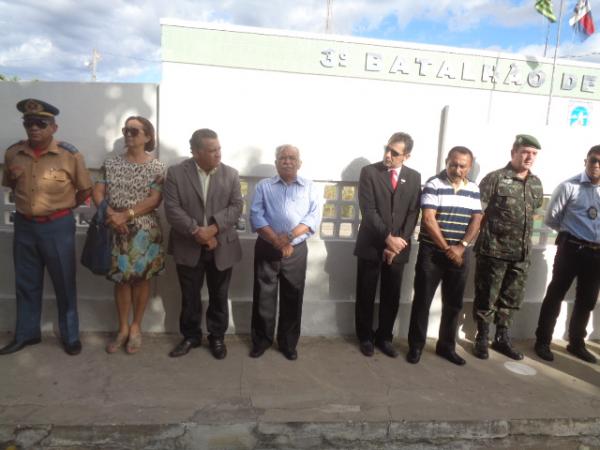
(499, 289)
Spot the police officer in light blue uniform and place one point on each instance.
(573, 212)
(48, 179)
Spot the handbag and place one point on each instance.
(97, 250)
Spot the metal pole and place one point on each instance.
(94, 63)
(328, 19)
(441, 161)
(547, 37)
(554, 63)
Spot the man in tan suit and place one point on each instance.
(203, 202)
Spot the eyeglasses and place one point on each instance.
(40, 123)
(591, 160)
(130, 131)
(392, 151)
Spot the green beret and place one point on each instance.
(33, 107)
(527, 140)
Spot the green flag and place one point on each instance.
(544, 7)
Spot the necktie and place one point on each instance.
(394, 178)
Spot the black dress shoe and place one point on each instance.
(451, 356)
(366, 348)
(73, 348)
(217, 348)
(414, 355)
(257, 351)
(543, 351)
(386, 348)
(581, 352)
(183, 348)
(15, 346)
(292, 355)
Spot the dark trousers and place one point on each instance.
(271, 272)
(191, 280)
(367, 274)
(432, 267)
(49, 245)
(571, 261)
(499, 289)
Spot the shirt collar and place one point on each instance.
(510, 172)
(277, 179)
(443, 175)
(52, 147)
(201, 170)
(584, 178)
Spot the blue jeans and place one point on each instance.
(49, 245)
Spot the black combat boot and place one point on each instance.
(480, 346)
(503, 345)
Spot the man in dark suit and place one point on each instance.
(388, 196)
(203, 202)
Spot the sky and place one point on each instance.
(53, 40)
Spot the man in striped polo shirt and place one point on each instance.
(451, 214)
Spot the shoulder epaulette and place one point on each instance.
(15, 144)
(68, 147)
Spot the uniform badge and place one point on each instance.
(592, 213)
(33, 107)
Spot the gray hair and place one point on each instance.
(203, 133)
(283, 147)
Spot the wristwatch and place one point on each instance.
(291, 236)
(465, 244)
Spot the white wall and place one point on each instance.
(340, 124)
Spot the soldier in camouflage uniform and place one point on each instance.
(510, 197)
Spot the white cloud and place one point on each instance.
(50, 40)
(33, 48)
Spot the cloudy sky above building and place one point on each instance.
(54, 39)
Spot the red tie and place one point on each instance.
(394, 179)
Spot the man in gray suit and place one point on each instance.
(203, 202)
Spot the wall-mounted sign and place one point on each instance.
(256, 49)
(579, 115)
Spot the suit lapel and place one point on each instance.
(384, 177)
(191, 171)
(401, 180)
(213, 186)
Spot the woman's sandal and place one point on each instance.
(134, 343)
(116, 344)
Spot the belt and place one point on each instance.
(49, 218)
(591, 245)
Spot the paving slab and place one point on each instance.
(331, 397)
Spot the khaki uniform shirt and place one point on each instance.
(509, 205)
(46, 184)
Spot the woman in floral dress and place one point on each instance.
(131, 183)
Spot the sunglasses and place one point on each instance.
(593, 160)
(392, 151)
(40, 123)
(130, 131)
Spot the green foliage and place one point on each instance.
(8, 78)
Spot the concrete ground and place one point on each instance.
(331, 397)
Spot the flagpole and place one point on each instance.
(554, 63)
(547, 38)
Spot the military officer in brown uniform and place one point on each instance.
(48, 179)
